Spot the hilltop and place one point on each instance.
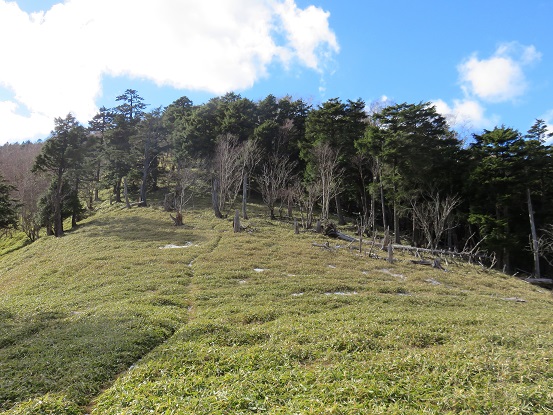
(130, 314)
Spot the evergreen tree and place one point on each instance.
(149, 142)
(8, 206)
(61, 158)
(98, 128)
(338, 125)
(497, 190)
(414, 147)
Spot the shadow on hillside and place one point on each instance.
(53, 354)
(140, 229)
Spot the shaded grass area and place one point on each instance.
(76, 311)
(259, 322)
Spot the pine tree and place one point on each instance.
(60, 159)
(8, 206)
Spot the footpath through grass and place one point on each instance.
(260, 322)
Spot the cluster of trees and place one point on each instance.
(399, 167)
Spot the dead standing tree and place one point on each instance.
(275, 175)
(230, 164)
(187, 180)
(251, 155)
(307, 195)
(432, 216)
(328, 175)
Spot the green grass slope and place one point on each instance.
(103, 321)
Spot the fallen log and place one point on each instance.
(542, 282)
(421, 262)
(333, 232)
(326, 245)
(436, 263)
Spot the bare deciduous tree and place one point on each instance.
(545, 244)
(188, 180)
(326, 162)
(16, 161)
(275, 175)
(231, 162)
(432, 216)
(307, 195)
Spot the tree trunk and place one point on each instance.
(339, 211)
(373, 214)
(215, 198)
(58, 219)
(245, 196)
(144, 185)
(74, 212)
(117, 190)
(97, 183)
(384, 222)
(126, 193)
(236, 221)
(396, 224)
(535, 248)
(290, 205)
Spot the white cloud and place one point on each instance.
(308, 33)
(501, 77)
(466, 113)
(53, 61)
(18, 128)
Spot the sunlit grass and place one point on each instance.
(261, 322)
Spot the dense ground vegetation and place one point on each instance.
(128, 314)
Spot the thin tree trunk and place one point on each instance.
(245, 196)
(144, 185)
(396, 224)
(74, 213)
(339, 211)
(373, 213)
(117, 190)
(236, 223)
(215, 198)
(414, 243)
(535, 249)
(97, 183)
(384, 222)
(58, 220)
(290, 202)
(126, 192)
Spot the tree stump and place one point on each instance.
(386, 242)
(296, 226)
(319, 228)
(177, 220)
(390, 253)
(236, 222)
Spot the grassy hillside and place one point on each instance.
(103, 321)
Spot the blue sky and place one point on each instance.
(483, 63)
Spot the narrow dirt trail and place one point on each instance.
(193, 289)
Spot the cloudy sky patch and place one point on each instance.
(55, 60)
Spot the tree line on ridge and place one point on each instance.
(399, 167)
